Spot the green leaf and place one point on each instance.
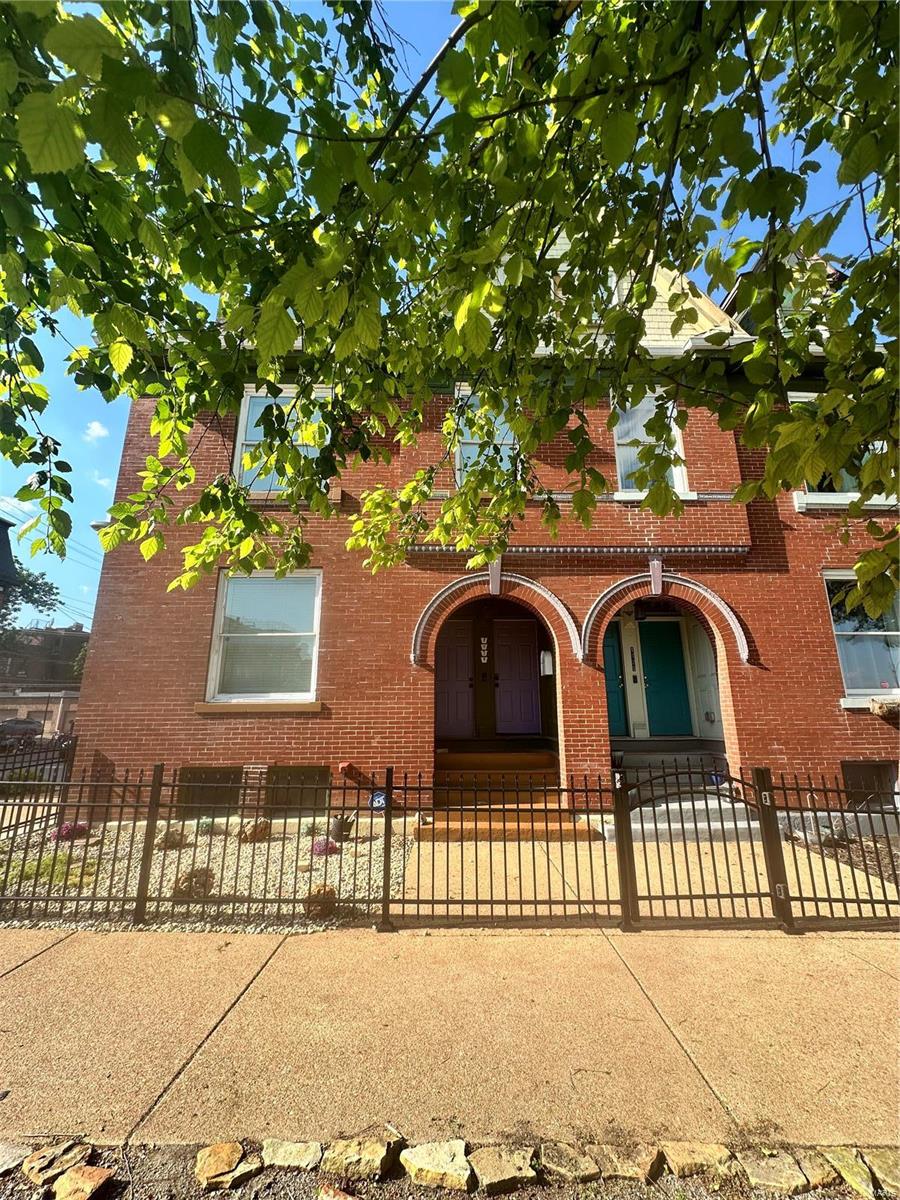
(149, 546)
(860, 161)
(345, 344)
(276, 329)
(176, 117)
(267, 124)
(209, 152)
(476, 333)
(455, 76)
(368, 325)
(110, 128)
(301, 282)
(120, 355)
(9, 74)
(81, 43)
(325, 185)
(618, 137)
(49, 134)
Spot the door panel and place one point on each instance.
(665, 682)
(517, 688)
(617, 712)
(454, 698)
(705, 680)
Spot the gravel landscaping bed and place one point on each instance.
(224, 881)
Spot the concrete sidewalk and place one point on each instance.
(593, 1035)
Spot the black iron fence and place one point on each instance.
(48, 758)
(678, 844)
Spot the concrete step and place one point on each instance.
(522, 825)
(689, 822)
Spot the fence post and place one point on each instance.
(385, 925)
(143, 884)
(771, 840)
(631, 915)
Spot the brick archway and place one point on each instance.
(527, 592)
(718, 614)
(718, 618)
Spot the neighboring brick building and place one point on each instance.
(639, 637)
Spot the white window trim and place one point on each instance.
(813, 501)
(637, 497)
(679, 473)
(853, 698)
(213, 695)
(287, 393)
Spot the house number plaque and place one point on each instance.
(483, 649)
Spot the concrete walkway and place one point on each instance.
(593, 1035)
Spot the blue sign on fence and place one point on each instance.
(378, 801)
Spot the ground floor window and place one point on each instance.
(868, 647)
(265, 643)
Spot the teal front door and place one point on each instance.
(665, 681)
(617, 714)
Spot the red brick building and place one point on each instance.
(640, 637)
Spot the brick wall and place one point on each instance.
(147, 667)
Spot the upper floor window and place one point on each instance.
(250, 434)
(266, 637)
(868, 647)
(631, 436)
(502, 440)
(840, 489)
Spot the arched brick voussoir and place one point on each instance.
(698, 596)
(526, 591)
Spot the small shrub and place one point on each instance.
(325, 845)
(309, 828)
(69, 831)
(59, 874)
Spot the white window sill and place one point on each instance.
(812, 501)
(637, 497)
(864, 702)
(244, 705)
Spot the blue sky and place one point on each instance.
(92, 431)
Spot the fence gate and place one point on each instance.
(510, 850)
(699, 845)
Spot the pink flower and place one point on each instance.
(325, 845)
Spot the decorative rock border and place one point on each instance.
(379, 1154)
(382, 1153)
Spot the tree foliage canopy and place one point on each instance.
(31, 588)
(377, 233)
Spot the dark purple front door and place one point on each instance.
(517, 689)
(454, 697)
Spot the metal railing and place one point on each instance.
(264, 846)
(38, 758)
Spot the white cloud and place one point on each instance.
(16, 510)
(101, 480)
(94, 432)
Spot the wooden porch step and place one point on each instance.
(500, 780)
(507, 761)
